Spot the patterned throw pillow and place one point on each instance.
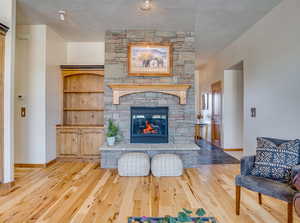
(276, 161)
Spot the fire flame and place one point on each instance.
(149, 129)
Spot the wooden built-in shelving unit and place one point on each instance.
(81, 132)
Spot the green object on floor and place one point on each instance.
(183, 216)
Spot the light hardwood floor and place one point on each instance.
(81, 192)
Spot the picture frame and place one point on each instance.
(150, 59)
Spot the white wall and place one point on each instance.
(85, 53)
(271, 52)
(39, 53)
(8, 17)
(233, 109)
(30, 131)
(55, 56)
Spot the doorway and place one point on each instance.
(216, 118)
(233, 108)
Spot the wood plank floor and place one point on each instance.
(81, 192)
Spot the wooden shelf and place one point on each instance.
(79, 126)
(83, 91)
(83, 109)
(78, 92)
(82, 67)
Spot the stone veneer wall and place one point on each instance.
(181, 117)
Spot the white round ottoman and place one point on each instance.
(134, 165)
(166, 165)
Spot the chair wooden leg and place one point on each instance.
(259, 198)
(238, 199)
(290, 212)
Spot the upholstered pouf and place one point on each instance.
(134, 165)
(166, 165)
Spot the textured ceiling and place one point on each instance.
(215, 22)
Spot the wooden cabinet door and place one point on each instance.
(68, 142)
(91, 140)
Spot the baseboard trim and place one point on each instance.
(233, 149)
(29, 165)
(51, 162)
(33, 165)
(79, 159)
(6, 187)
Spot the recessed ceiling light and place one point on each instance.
(146, 6)
(62, 15)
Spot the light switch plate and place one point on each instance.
(23, 112)
(253, 112)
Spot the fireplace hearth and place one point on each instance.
(149, 125)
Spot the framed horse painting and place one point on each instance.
(150, 59)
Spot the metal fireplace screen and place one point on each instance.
(149, 125)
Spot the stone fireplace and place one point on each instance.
(180, 104)
(149, 125)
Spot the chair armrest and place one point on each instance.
(295, 171)
(247, 164)
(297, 203)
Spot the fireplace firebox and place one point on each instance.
(149, 125)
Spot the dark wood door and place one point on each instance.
(216, 118)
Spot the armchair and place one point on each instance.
(276, 189)
(296, 183)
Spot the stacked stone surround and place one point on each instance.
(181, 117)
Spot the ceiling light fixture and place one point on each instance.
(62, 15)
(146, 6)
